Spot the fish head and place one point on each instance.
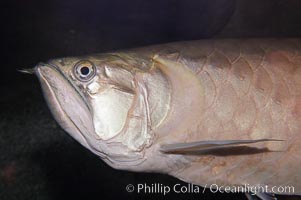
(103, 102)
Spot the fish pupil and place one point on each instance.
(85, 70)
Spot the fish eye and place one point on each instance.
(84, 70)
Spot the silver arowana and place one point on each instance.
(223, 112)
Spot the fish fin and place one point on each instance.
(266, 196)
(260, 196)
(207, 145)
(251, 196)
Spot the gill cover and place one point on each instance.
(127, 104)
(111, 104)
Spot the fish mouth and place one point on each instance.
(66, 103)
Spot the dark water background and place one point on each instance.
(40, 161)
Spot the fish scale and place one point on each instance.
(265, 93)
(224, 111)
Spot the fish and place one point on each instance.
(223, 112)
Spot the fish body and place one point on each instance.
(224, 112)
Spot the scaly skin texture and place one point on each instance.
(188, 92)
(252, 90)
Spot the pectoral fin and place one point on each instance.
(207, 145)
(261, 196)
